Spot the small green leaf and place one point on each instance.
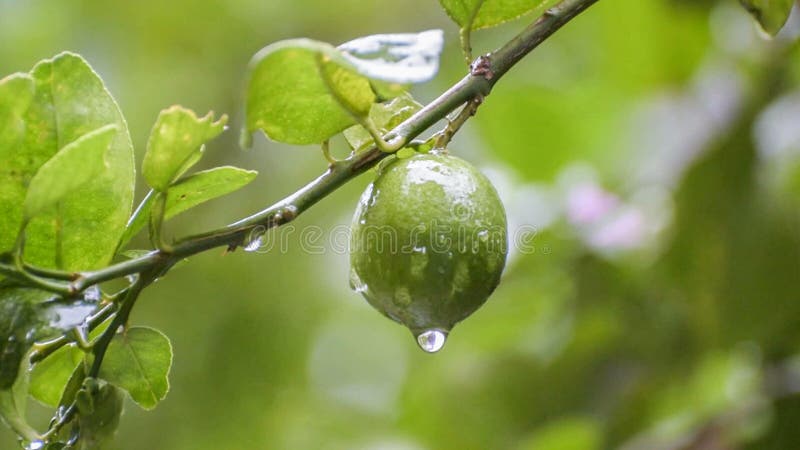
(176, 143)
(50, 376)
(73, 166)
(138, 361)
(385, 116)
(477, 14)
(99, 410)
(13, 404)
(190, 192)
(73, 385)
(771, 15)
(204, 186)
(288, 99)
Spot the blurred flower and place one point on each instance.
(607, 223)
(588, 203)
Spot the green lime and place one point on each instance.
(428, 244)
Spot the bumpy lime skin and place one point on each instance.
(429, 241)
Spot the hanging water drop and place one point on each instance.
(431, 341)
(254, 243)
(34, 445)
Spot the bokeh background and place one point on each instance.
(650, 151)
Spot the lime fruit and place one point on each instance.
(428, 244)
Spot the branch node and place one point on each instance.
(288, 213)
(482, 67)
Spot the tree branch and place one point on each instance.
(485, 73)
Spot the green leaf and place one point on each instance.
(385, 90)
(190, 192)
(138, 361)
(303, 91)
(50, 376)
(28, 315)
(346, 87)
(176, 143)
(770, 14)
(99, 410)
(13, 404)
(288, 99)
(477, 14)
(68, 101)
(73, 166)
(204, 186)
(20, 325)
(73, 385)
(16, 94)
(385, 116)
(51, 379)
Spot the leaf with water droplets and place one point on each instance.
(138, 361)
(477, 14)
(68, 101)
(176, 144)
(189, 192)
(78, 163)
(385, 116)
(771, 15)
(20, 324)
(397, 58)
(28, 315)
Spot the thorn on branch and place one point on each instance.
(469, 110)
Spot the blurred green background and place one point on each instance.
(649, 159)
